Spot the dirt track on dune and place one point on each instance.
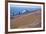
(27, 21)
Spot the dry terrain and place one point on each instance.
(30, 20)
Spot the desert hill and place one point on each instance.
(29, 20)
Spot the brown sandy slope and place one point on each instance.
(29, 20)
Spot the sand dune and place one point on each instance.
(30, 20)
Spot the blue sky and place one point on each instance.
(19, 8)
